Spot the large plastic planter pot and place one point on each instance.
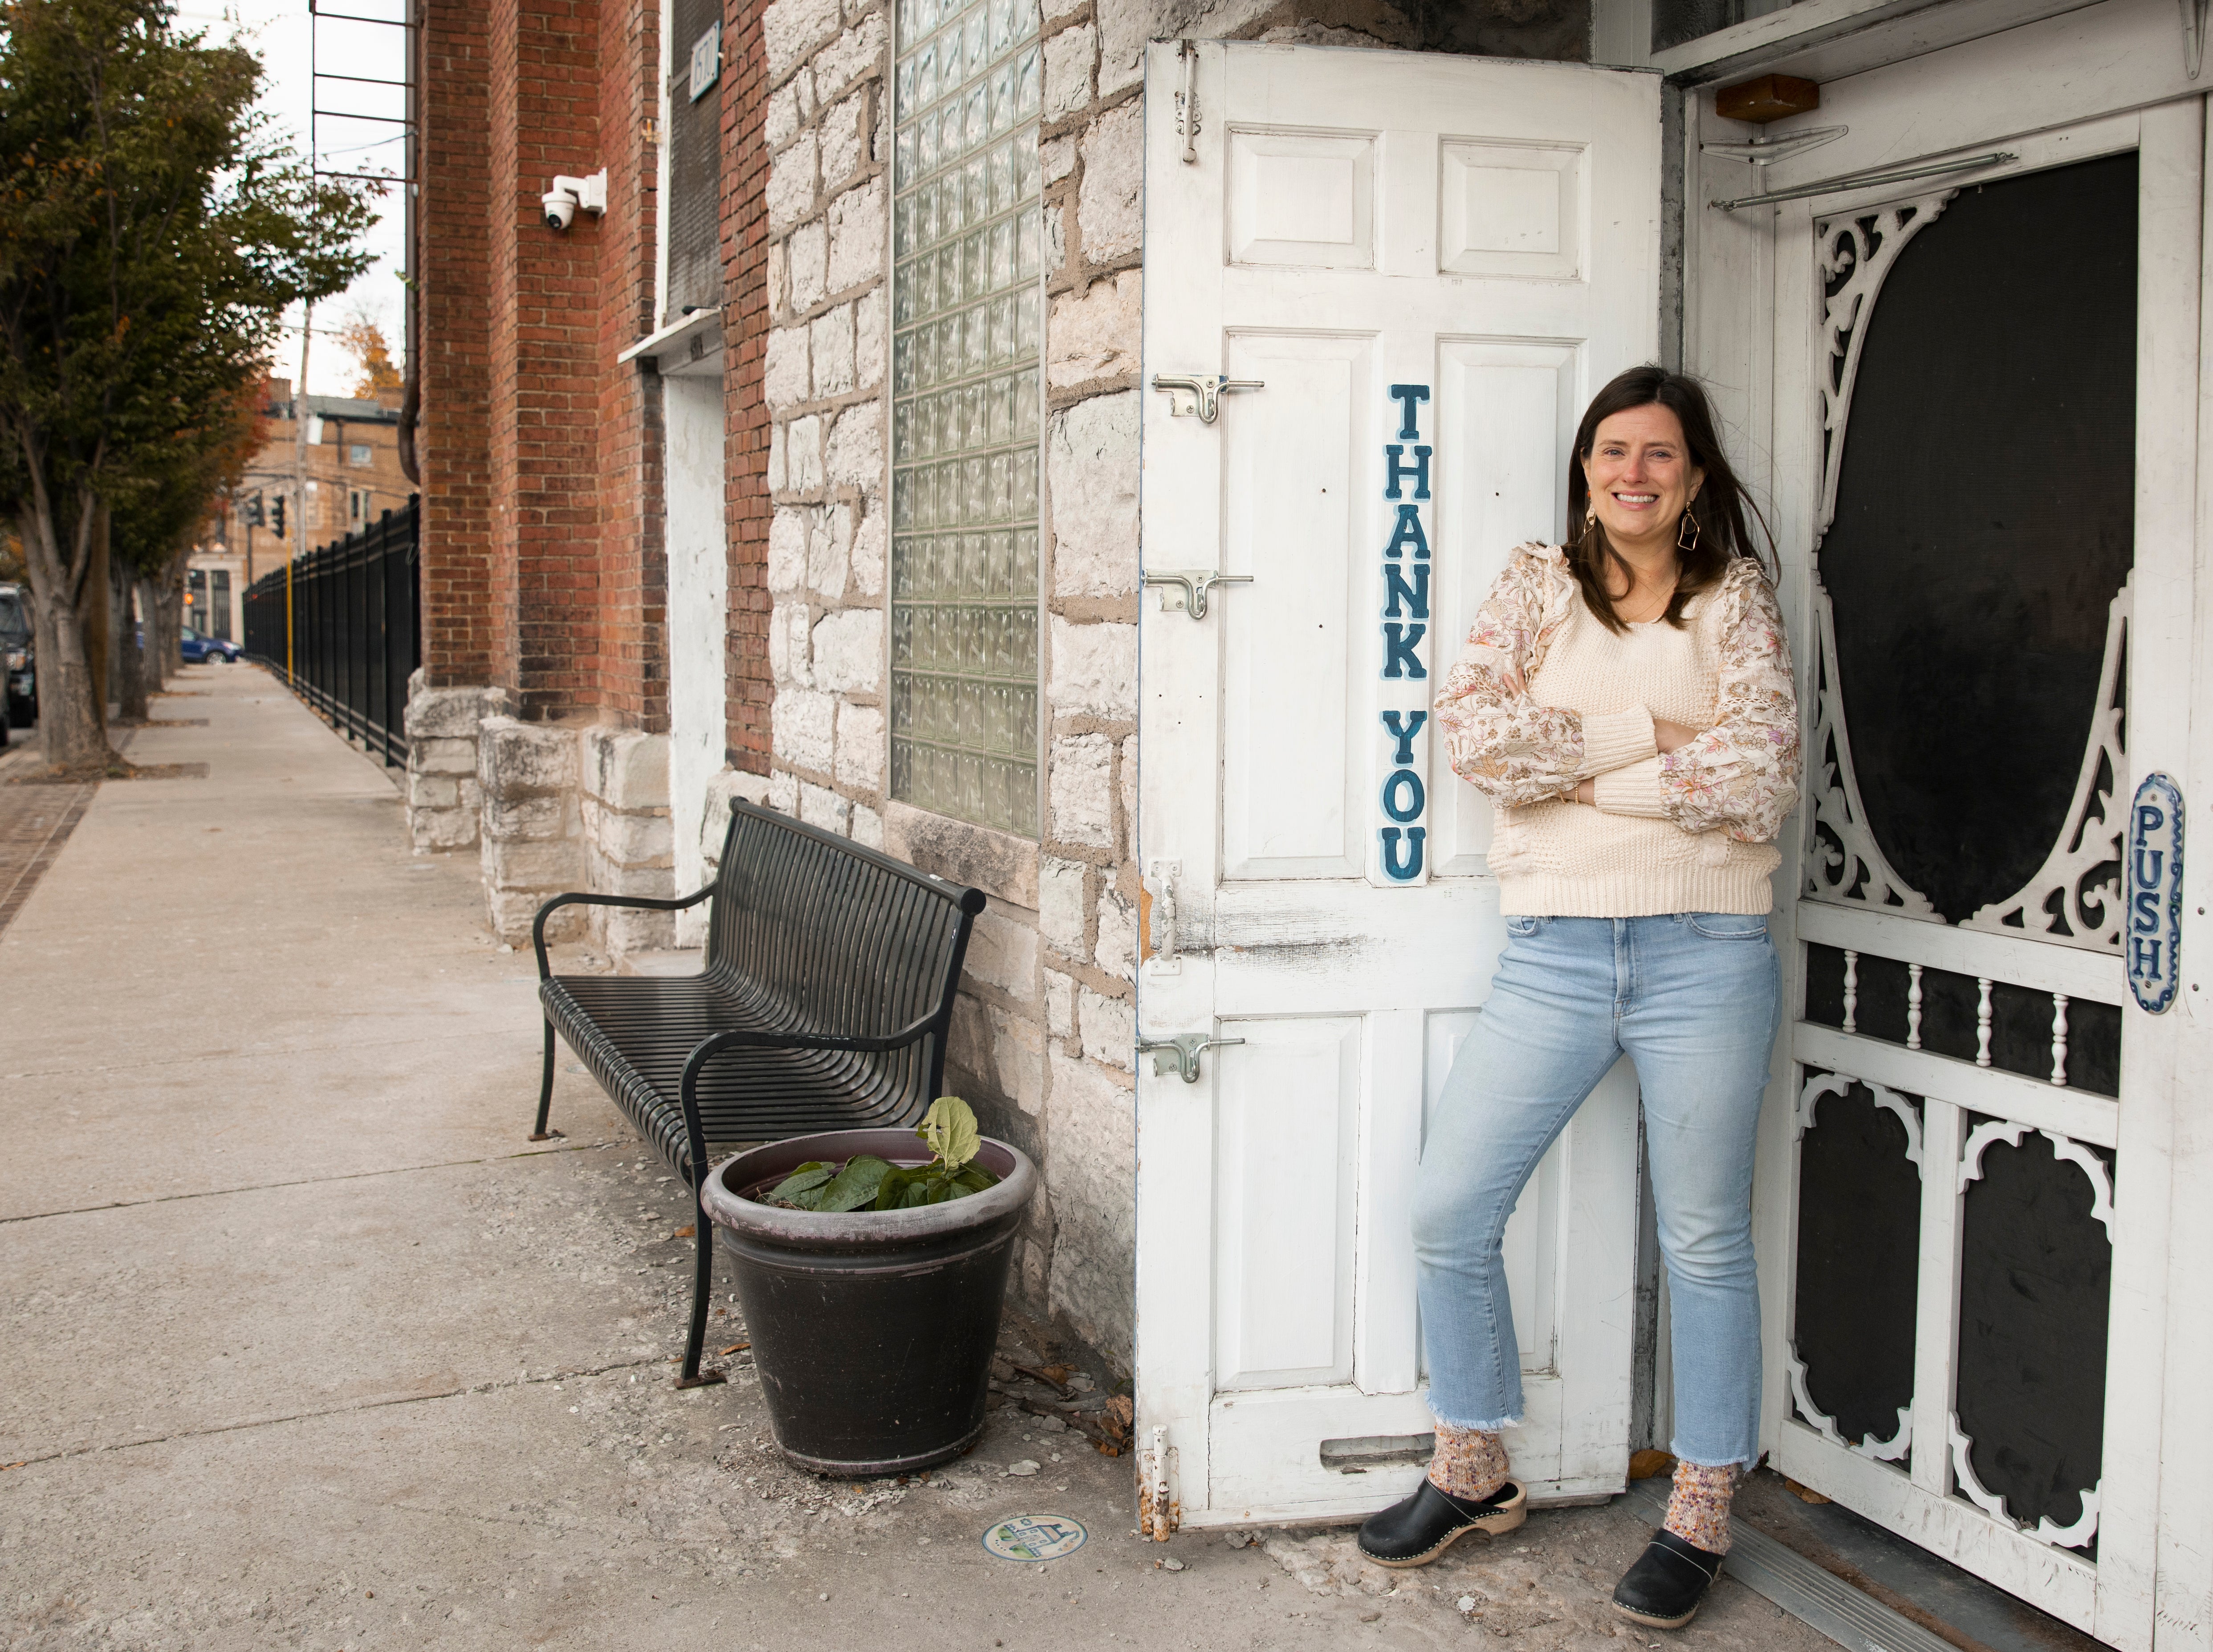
(872, 1330)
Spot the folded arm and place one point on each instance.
(1500, 740)
(1740, 775)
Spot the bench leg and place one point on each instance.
(546, 1092)
(702, 1287)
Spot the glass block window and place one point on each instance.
(967, 292)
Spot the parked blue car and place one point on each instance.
(198, 650)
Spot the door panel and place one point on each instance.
(1283, 1241)
(1506, 411)
(1289, 466)
(1405, 425)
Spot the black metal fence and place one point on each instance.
(342, 626)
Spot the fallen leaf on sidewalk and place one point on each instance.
(737, 1348)
(1803, 1493)
(685, 1232)
(1649, 1465)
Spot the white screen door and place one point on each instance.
(1420, 267)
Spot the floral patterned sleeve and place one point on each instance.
(1497, 739)
(1741, 774)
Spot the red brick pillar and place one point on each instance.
(745, 330)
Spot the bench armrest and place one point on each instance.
(649, 903)
(688, 1091)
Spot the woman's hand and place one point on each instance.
(1671, 736)
(1586, 792)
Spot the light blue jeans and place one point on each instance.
(1693, 998)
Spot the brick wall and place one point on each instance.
(463, 615)
(747, 687)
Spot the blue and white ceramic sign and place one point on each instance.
(1036, 1537)
(2151, 939)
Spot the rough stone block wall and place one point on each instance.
(629, 845)
(533, 842)
(445, 799)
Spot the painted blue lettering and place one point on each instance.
(1398, 657)
(1395, 471)
(1405, 734)
(1416, 596)
(2148, 880)
(1408, 532)
(2144, 911)
(1403, 797)
(2143, 958)
(2150, 817)
(1409, 396)
(1395, 869)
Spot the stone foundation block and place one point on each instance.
(548, 867)
(624, 768)
(518, 760)
(449, 713)
(442, 756)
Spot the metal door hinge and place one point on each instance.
(1187, 102)
(1196, 584)
(1200, 392)
(1161, 923)
(1159, 1513)
(1180, 1054)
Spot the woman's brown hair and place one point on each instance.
(1719, 511)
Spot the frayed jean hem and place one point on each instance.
(1729, 1462)
(1497, 1426)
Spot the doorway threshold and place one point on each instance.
(1862, 1587)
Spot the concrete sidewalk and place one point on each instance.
(306, 1347)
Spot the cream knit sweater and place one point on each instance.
(1689, 831)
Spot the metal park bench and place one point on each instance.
(825, 1004)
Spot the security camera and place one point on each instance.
(569, 194)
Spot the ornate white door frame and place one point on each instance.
(1786, 381)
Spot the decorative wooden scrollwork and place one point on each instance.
(1857, 252)
(2087, 913)
(1843, 860)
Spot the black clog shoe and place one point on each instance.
(1666, 1585)
(1416, 1530)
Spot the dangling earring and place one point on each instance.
(1692, 522)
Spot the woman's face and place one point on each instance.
(1640, 475)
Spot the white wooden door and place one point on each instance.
(1898, 1069)
(1421, 266)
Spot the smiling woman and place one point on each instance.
(1626, 702)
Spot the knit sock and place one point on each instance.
(1698, 1509)
(1469, 1464)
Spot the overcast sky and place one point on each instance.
(286, 37)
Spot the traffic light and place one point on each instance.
(252, 514)
(276, 523)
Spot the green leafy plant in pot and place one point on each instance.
(872, 1285)
(865, 1182)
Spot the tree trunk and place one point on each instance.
(171, 608)
(131, 689)
(154, 659)
(72, 721)
(100, 617)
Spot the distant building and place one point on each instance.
(353, 475)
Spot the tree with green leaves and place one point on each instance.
(153, 229)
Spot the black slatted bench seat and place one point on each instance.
(824, 1005)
